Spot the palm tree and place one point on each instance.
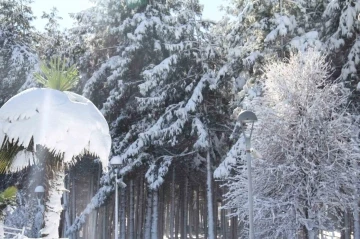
(53, 127)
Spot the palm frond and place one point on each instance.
(57, 75)
(7, 153)
(8, 196)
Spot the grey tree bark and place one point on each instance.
(154, 216)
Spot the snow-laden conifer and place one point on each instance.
(153, 85)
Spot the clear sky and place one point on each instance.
(65, 7)
(211, 9)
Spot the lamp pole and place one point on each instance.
(244, 118)
(250, 194)
(116, 162)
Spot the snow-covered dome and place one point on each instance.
(64, 122)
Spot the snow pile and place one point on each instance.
(66, 123)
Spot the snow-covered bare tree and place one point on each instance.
(309, 150)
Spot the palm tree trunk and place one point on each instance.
(53, 207)
(67, 209)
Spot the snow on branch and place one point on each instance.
(156, 173)
(113, 62)
(231, 159)
(284, 24)
(203, 138)
(352, 65)
(157, 73)
(168, 125)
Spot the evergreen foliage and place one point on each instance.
(57, 75)
(17, 57)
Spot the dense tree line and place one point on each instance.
(170, 85)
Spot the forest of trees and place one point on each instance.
(170, 85)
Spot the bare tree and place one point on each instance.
(306, 139)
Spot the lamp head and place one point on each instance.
(39, 191)
(247, 116)
(115, 161)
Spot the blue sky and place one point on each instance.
(71, 6)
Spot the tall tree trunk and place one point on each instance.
(191, 212)
(147, 233)
(53, 207)
(182, 211)
(185, 216)
(356, 201)
(172, 207)
(131, 202)
(215, 210)
(122, 213)
(197, 213)
(312, 234)
(177, 218)
(161, 213)
(356, 220)
(154, 217)
(347, 224)
(104, 221)
(234, 225)
(223, 222)
(140, 208)
(205, 219)
(209, 197)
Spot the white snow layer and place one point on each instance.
(22, 159)
(64, 122)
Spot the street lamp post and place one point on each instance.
(116, 162)
(246, 117)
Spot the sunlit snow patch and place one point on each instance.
(67, 124)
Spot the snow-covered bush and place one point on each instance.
(305, 180)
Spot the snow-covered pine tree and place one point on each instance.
(154, 77)
(341, 35)
(18, 60)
